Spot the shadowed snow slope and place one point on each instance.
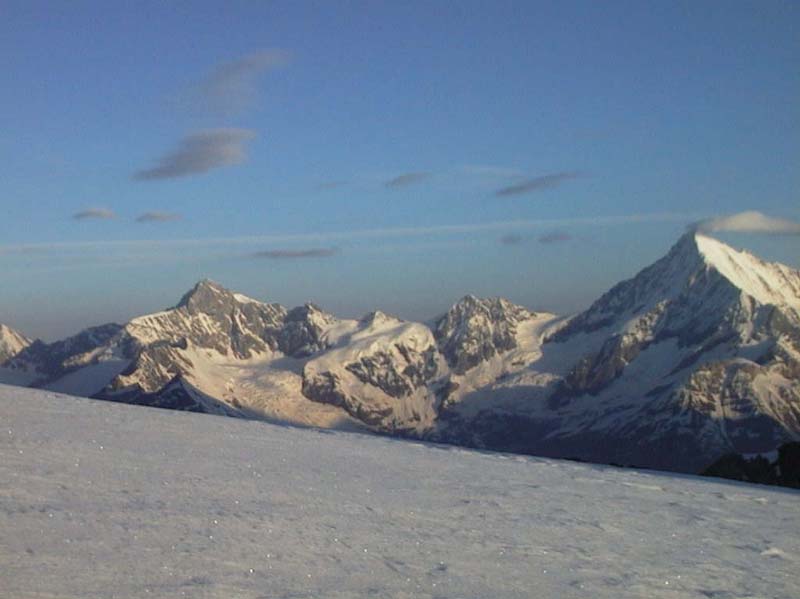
(99, 499)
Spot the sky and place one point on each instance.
(367, 155)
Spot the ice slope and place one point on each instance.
(99, 499)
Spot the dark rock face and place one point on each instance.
(154, 367)
(382, 370)
(380, 374)
(301, 334)
(207, 298)
(177, 394)
(420, 367)
(327, 388)
(596, 371)
(475, 330)
(636, 296)
(212, 317)
(784, 471)
(379, 371)
(725, 395)
(52, 360)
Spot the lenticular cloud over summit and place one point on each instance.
(749, 221)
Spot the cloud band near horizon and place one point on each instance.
(296, 254)
(389, 232)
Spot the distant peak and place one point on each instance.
(469, 301)
(489, 303)
(688, 239)
(209, 284)
(494, 309)
(767, 282)
(378, 317)
(705, 246)
(204, 292)
(712, 251)
(685, 253)
(710, 247)
(307, 311)
(11, 342)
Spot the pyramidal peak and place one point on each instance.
(377, 317)
(695, 252)
(699, 277)
(11, 342)
(767, 282)
(204, 288)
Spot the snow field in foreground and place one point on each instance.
(108, 500)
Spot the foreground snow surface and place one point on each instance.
(107, 500)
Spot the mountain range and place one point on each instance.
(695, 357)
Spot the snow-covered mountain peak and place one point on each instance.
(304, 330)
(492, 308)
(11, 342)
(767, 282)
(206, 296)
(699, 281)
(475, 329)
(378, 319)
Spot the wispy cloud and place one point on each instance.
(378, 233)
(554, 237)
(157, 217)
(199, 153)
(750, 221)
(232, 87)
(536, 184)
(511, 239)
(407, 179)
(295, 254)
(94, 213)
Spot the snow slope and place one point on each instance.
(768, 283)
(99, 499)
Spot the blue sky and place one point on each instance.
(355, 153)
